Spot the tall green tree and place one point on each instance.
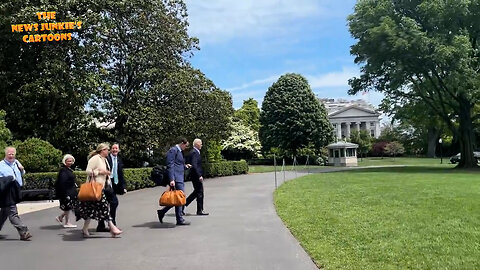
(46, 84)
(249, 114)
(419, 131)
(292, 117)
(5, 134)
(186, 104)
(138, 45)
(427, 51)
(363, 139)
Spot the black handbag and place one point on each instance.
(108, 190)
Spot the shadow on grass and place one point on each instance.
(398, 169)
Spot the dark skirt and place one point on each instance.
(67, 204)
(98, 210)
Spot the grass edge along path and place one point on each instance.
(385, 218)
(364, 162)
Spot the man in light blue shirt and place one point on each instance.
(10, 166)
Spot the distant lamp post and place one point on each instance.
(441, 150)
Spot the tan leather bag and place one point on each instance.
(90, 192)
(173, 198)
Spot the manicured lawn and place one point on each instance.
(389, 218)
(266, 168)
(365, 162)
(376, 161)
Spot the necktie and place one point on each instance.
(115, 176)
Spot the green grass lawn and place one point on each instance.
(365, 162)
(388, 218)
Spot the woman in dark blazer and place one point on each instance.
(66, 190)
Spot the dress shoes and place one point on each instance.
(26, 236)
(183, 223)
(160, 214)
(202, 213)
(103, 229)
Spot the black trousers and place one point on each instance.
(196, 194)
(113, 202)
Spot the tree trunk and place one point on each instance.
(432, 136)
(466, 136)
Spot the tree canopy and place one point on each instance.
(292, 117)
(422, 51)
(249, 114)
(363, 139)
(123, 77)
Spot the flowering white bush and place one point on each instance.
(243, 141)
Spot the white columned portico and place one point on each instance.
(377, 129)
(368, 127)
(348, 130)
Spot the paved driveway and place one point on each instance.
(243, 231)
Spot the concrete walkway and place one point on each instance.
(243, 231)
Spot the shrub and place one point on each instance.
(378, 148)
(394, 149)
(38, 155)
(225, 168)
(138, 178)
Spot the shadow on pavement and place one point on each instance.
(51, 227)
(156, 225)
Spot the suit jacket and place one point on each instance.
(9, 191)
(96, 163)
(196, 161)
(121, 186)
(175, 164)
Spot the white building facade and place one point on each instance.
(347, 116)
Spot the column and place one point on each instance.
(377, 129)
(339, 131)
(358, 126)
(368, 127)
(348, 130)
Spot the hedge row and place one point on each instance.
(225, 168)
(137, 178)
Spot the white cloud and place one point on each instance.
(333, 79)
(327, 85)
(269, 80)
(222, 20)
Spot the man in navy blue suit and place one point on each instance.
(196, 175)
(176, 167)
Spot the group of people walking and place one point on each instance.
(105, 167)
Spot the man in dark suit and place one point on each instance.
(118, 185)
(176, 167)
(196, 175)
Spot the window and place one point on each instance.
(342, 152)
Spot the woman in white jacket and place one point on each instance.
(98, 170)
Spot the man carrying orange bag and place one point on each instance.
(176, 167)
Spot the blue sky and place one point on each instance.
(245, 46)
